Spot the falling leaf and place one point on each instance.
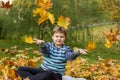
(29, 40)
(111, 37)
(90, 46)
(44, 4)
(36, 12)
(43, 16)
(51, 17)
(108, 44)
(63, 22)
(43, 19)
(6, 5)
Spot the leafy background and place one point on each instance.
(89, 19)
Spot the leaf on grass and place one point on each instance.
(31, 63)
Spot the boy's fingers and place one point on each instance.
(85, 50)
(84, 53)
(34, 39)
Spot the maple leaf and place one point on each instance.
(36, 12)
(63, 22)
(111, 37)
(44, 4)
(43, 16)
(31, 63)
(12, 74)
(29, 40)
(6, 5)
(47, 5)
(108, 43)
(91, 45)
(51, 17)
(42, 19)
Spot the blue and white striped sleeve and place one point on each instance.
(44, 49)
(71, 55)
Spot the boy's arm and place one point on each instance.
(44, 49)
(43, 46)
(72, 54)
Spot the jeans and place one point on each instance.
(37, 74)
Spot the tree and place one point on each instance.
(112, 9)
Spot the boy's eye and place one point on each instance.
(56, 36)
(61, 36)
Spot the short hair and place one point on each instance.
(59, 29)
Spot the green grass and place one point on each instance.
(100, 51)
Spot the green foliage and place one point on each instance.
(111, 9)
(99, 52)
(20, 21)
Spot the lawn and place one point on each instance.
(99, 52)
(100, 63)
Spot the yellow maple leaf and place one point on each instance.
(108, 43)
(42, 19)
(43, 16)
(44, 4)
(51, 17)
(63, 22)
(36, 12)
(29, 40)
(39, 3)
(90, 46)
(47, 5)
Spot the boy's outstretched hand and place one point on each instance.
(82, 51)
(38, 41)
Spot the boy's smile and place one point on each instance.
(58, 39)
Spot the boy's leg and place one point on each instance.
(45, 75)
(58, 76)
(38, 74)
(25, 72)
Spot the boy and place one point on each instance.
(55, 56)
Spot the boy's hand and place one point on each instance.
(38, 41)
(82, 51)
(118, 37)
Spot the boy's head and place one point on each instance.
(57, 29)
(59, 36)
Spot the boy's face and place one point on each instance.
(58, 39)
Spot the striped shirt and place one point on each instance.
(54, 58)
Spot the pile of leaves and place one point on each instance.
(17, 58)
(101, 70)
